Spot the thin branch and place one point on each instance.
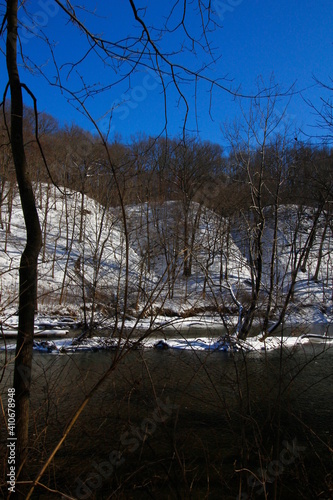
(26, 88)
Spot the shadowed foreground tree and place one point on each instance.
(28, 265)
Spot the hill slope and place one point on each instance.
(83, 270)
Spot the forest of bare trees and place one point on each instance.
(121, 232)
(187, 201)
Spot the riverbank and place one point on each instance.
(205, 333)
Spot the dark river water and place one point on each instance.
(184, 424)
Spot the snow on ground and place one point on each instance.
(253, 345)
(83, 261)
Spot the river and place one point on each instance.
(185, 424)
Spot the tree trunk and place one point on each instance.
(186, 268)
(321, 246)
(28, 265)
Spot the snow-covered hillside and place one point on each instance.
(82, 259)
(82, 270)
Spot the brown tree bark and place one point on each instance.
(28, 264)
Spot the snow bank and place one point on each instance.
(82, 268)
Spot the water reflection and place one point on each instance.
(181, 423)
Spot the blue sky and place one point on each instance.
(292, 39)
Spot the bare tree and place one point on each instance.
(260, 156)
(28, 265)
(192, 166)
